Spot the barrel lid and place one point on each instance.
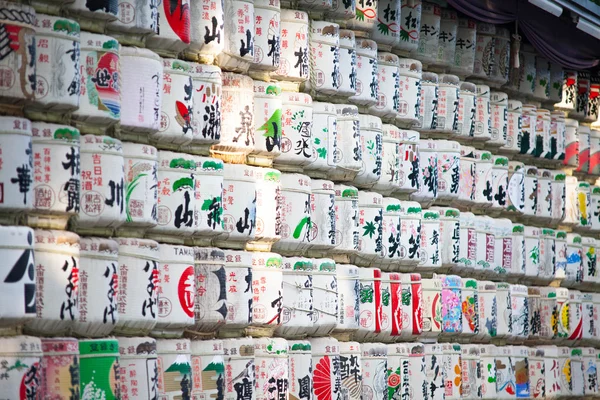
(366, 48)
(97, 247)
(544, 174)
(295, 183)
(518, 290)
(325, 31)
(344, 191)
(531, 170)
(559, 176)
(324, 265)
(483, 91)
(564, 352)
(28, 346)
(588, 241)
(270, 347)
(515, 105)
(266, 260)
(514, 166)
(391, 133)
(62, 241)
(98, 347)
(410, 66)
(19, 237)
(347, 39)
(93, 41)
(324, 346)
(101, 144)
(60, 346)
(595, 132)
(349, 348)
(387, 59)
(369, 122)
(170, 253)
(583, 185)
(374, 350)
(206, 72)
(236, 258)
(239, 172)
(366, 199)
(548, 292)
(208, 166)
(50, 25)
(408, 136)
(467, 219)
(519, 351)
(432, 284)
(321, 185)
(487, 350)
(299, 347)
(429, 77)
(451, 348)
(410, 208)
(575, 295)
(447, 146)
(451, 281)
(499, 98)
(15, 125)
(266, 89)
(470, 351)
(468, 87)
(427, 145)
(213, 347)
(408, 279)
(137, 347)
(127, 51)
(138, 150)
(447, 79)
(571, 122)
(237, 81)
(294, 16)
(562, 293)
(346, 111)
(483, 155)
(447, 213)
(267, 175)
(533, 291)
(391, 206)
(209, 255)
(533, 231)
(320, 107)
(173, 346)
(561, 236)
(486, 286)
(486, 29)
(296, 264)
(142, 248)
(433, 348)
(296, 98)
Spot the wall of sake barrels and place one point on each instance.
(307, 200)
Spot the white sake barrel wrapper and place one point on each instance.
(100, 92)
(471, 370)
(408, 176)
(464, 55)
(542, 134)
(556, 270)
(515, 199)
(271, 368)
(371, 142)
(19, 64)
(177, 106)
(208, 93)
(296, 132)
(513, 127)
(575, 311)
(484, 52)
(530, 184)
(208, 213)
(238, 268)
(589, 325)
(56, 175)
(391, 299)
(450, 236)
(325, 297)
(415, 376)
(141, 188)
(267, 37)
(447, 39)
(499, 183)
(24, 355)
(498, 118)
(370, 303)
(391, 233)
(268, 209)
(409, 92)
(177, 293)
(297, 303)
(174, 34)
(341, 10)
(533, 243)
(483, 126)
(239, 32)
(346, 220)
(582, 99)
(300, 368)
(348, 155)
(19, 285)
(434, 371)
(574, 269)
(534, 311)
(589, 367)
(207, 32)
(57, 282)
(432, 308)
(427, 50)
(94, 17)
(240, 362)
(237, 119)
(324, 140)
(484, 191)
(451, 370)
(370, 219)
(389, 181)
(326, 372)
(467, 248)
(348, 299)
(267, 299)
(374, 369)
(210, 306)
(584, 211)
(98, 286)
(138, 367)
(294, 59)
(142, 75)
(348, 69)
(549, 312)
(410, 236)
(174, 368)
(504, 251)
(351, 364)
(577, 372)
(398, 376)
(487, 308)
(541, 89)
(467, 176)
(448, 165)
(520, 328)
(428, 103)
(57, 67)
(427, 187)
(323, 216)
(295, 213)
(565, 372)
(467, 110)
(501, 69)
(388, 86)
(589, 261)
(208, 369)
(487, 354)
(528, 124)
(267, 123)
(59, 368)
(386, 31)
(135, 21)
(452, 319)
(408, 25)
(429, 251)
(447, 106)
(516, 381)
(239, 206)
(555, 85)
(470, 307)
(137, 298)
(366, 73)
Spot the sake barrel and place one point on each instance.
(207, 33)
(294, 58)
(451, 370)
(409, 92)
(208, 212)
(594, 204)
(483, 127)
(542, 134)
(503, 245)
(529, 122)
(532, 251)
(324, 140)
(267, 36)
(552, 384)
(448, 103)
(501, 60)
(410, 234)
(138, 262)
(365, 18)
(237, 119)
(267, 285)
(450, 301)
(342, 10)
(142, 75)
(569, 89)
(387, 34)
(487, 353)
(326, 376)
(467, 109)
(351, 361)
(100, 100)
(583, 133)
(488, 310)
(20, 61)
(428, 106)
(556, 83)
(348, 69)
(427, 49)
(428, 173)
(95, 16)
(499, 182)
(268, 208)
(206, 122)
(295, 213)
(141, 193)
(370, 305)
(498, 118)
(544, 196)
(388, 86)
(135, 21)
(448, 165)
(98, 285)
(574, 269)
(563, 314)
(565, 371)
(324, 47)
(267, 123)
(323, 221)
(571, 144)
(432, 307)
(549, 314)
(346, 219)
(589, 368)
(412, 305)
(429, 252)
(520, 366)
(513, 127)
(239, 355)
(556, 269)
(58, 46)
(176, 196)
(371, 143)
(348, 314)
(594, 165)
(138, 367)
(297, 148)
(239, 206)
(238, 268)
(471, 370)
(469, 307)
(446, 49)
(571, 202)
(589, 260)
(596, 310)
(174, 34)
(300, 367)
(390, 159)
(530, 185)
(484, 191)
(24, 354)
(374, 369)
(541, 88)
(99, 369)
(409, 26)
(391, 320)
(397, 370)
(370, 218)
(297, 303)
(518, 251)
(558, 196)
(271, 367)
(467, 177)
(19, 287)
(534, 310)
(505, 373)
(577, 372)
(583, 206)
(408, 176)
(59, 368)
(520, 318)
(414, 370)
(210, 304)
(527, 74)
(56, 281)
(320, 5)
(325, 302)
(484, 51)
(391, 232)
(504, 327)
(174, 368)
(464, 55)
(588, 326)
(366, 73)
(582, 100)
(348, 156)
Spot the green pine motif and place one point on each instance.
(182, 163)
(383, 28)
(360, 14)
(298, 231)
(534, 254)
(66, 133)
(213, 165)
(183, 183)
(404, 35)
(272, 127)
(484, 264)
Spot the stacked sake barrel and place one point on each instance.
(359, 199)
